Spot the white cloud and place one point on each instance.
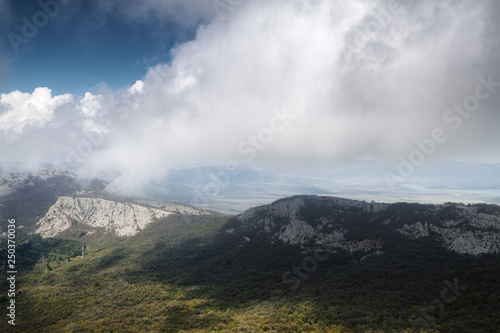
(136, 88)
(356, 89)
(20, 110)
(90, 104)
(223, 87)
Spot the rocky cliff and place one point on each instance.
(126, 219)
(349, 225)
(467, 231)
(288, 221)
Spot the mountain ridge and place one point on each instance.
(332, 222)
(309, 263)
(124, 218)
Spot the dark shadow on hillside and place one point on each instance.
(230, 269)
(33, 249)
(30, 203)
(234, 272)
(236, 268)
(230, 261)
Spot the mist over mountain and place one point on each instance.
(217, 188)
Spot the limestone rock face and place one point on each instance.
(126, 219)
(416, 230)
(471, 242)
(359, 226)
(468, 233)
(286, 221)
(297, 232)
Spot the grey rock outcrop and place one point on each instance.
(337, 224)
(125, 219)
(458, 236)
(283, 221)
(469, 233)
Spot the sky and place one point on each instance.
(80, 45)
(132, 89)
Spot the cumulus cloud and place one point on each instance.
(136, 88)
(20, 110)
(293, 83)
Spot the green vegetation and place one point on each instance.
(187, 274)
(30, 203)
(32, 248)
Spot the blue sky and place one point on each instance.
(81, 47)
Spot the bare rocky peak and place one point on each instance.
(125, 219)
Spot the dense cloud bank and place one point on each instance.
(283, 84)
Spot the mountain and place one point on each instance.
(232, 192)
(88, 261)
(308, 221)
(10, 182)
(336, 223)
(124, 218)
